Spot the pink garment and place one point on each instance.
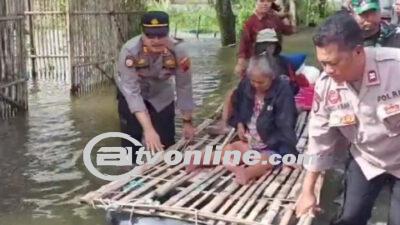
(304, 98)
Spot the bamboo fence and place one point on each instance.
(13, 94)
(71, 41)
(77, 41)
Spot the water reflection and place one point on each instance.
(42, 171)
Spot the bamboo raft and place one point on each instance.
(210, 196)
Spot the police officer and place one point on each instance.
(356, 105)
(147, 63)
(376, 31)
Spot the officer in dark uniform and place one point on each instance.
(376, 31)
(147, 63)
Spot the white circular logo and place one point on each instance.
(123, 154)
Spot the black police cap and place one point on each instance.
(155, 19)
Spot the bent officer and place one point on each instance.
(147, 63)
(356, 105)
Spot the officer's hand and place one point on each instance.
(307, 203)
(152, 141)
(188, 131)
(241, 132)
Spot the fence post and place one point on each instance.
(198, 27)
(32, 40)
(70, 66)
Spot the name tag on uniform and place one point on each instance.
(388, 110)
(342, 119)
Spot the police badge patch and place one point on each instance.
(373, 78)
(129, 61)
(334, 97)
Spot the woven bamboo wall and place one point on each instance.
(13, 90)
(77, 41)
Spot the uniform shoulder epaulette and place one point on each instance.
(132, 46)
(385, 54)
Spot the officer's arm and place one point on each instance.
(183, 82)
(326, 145)
(127, 82)
(310, 179)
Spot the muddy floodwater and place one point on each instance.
(42, 174)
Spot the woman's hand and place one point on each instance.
(242, 132)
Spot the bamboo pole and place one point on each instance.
(288, 213)
(227, 204)
(213, 175)
(149, 185)
(221, 197)
(275, 206)
(174, 183)
(141, 180)
(246, 197)
(70, 66)
(212, 191)
(268, 192)
(10, 18)
(167, 187)
(202, 185)
(23, 80)
(257, 194)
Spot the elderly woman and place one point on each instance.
(265, 117)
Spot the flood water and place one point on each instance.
(42, 174)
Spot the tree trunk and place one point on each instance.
(226, 21)
(134, 27)
(292, 11)
(322, 8)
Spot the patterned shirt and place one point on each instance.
(254, 139)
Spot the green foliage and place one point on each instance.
(186, 17)
(243, 9)
(310, 11)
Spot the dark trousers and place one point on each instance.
(163, 122)
(360, 196)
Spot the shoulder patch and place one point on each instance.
(130, 61)
(185, 64)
